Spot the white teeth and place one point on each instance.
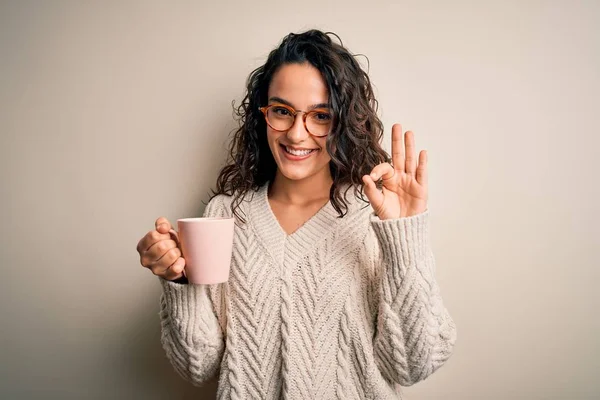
(298, 152)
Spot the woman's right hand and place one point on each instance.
(160, 253)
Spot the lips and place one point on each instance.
(297, 154)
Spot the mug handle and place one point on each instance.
(175, 237)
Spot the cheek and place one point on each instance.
(272, 136)
(323, 145)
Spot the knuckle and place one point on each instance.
(175, 266)
(163, 246)
(172, 256)
(155, 270)
(172, 271)
(176, 252)
(158, 269)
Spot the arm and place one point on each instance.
(415, 334)
(191, 334)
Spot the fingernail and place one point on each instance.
(374, 176)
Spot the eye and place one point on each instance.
(281, 111)
(322, 117)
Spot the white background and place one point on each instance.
(114, 113)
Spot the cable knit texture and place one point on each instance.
(343, 308)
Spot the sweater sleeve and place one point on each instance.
(191, 334)
(415, 334)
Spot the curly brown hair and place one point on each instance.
(353, 144)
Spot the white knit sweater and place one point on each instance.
(343, 308)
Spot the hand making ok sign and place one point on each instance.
(404, 185)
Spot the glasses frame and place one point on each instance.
(295, 113)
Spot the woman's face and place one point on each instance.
(298, 154)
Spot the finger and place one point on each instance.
(397, 148)
(161, 248)
(150, 239)
(175, 271)
(373, 194)
(411, 159)
(161, 265)
(157, 251)
(175, 236)
(162, 225)
(382, 171)
(422, 176)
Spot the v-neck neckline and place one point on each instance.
(277, 241)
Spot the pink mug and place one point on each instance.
(206, 244)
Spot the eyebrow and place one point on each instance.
(287, 103)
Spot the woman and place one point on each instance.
(328, 297)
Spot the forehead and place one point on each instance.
(300, 84)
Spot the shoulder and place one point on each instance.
(221, 204)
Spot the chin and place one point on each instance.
(295, 175)
(295, 169)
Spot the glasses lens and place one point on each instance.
(280, 118)
(318, 122)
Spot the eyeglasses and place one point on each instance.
(281, 117)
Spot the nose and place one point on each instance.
(297, 133)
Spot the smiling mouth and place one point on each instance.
(298, 153)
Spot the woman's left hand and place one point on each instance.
(404, 188)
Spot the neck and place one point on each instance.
(301, 192)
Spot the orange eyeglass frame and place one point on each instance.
(294, 112)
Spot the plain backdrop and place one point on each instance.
(113, 113)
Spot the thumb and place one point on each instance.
(162, 225)
(373, 194)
